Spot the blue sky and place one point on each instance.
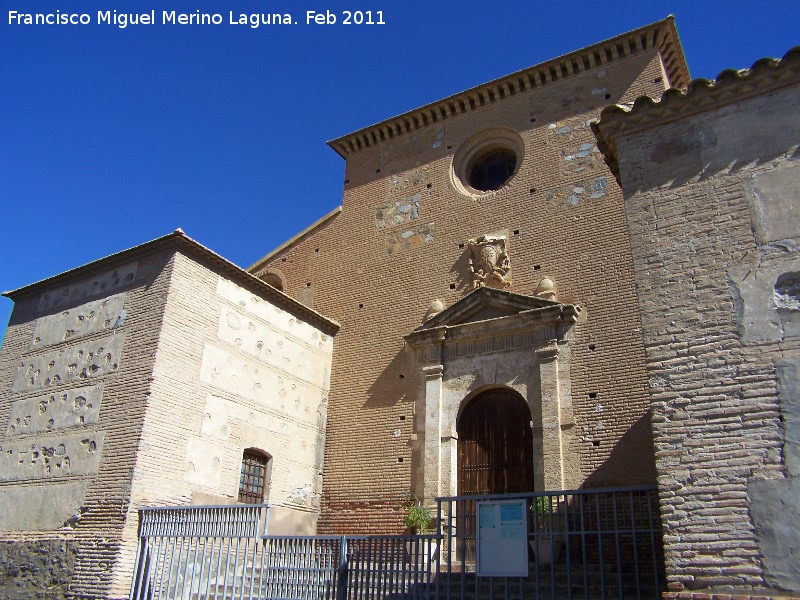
(110, 137)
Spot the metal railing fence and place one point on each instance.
(390, 566)
(601, 543)
(221, 553)
(190, 551)
(589, 544)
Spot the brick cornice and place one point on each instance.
(661, 35)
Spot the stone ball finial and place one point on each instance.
(435, 308)
(546, 289)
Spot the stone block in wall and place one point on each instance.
(788, 371)
(41, 507)
(82, 361)
(57, 410)
(775, 506)
(773, 198)
(763, 293)
(51, 456)
(101, 284)
(88, 318)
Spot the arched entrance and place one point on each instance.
(495, 444)
(483, 362)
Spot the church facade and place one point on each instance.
(495, 205)
(548, 282)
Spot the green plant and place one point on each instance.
(418, 518)
(541, 506)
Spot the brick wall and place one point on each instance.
(73, 504)
(361, 273)
(713, 221)
(139, 380)
(234, 371)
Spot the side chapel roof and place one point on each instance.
(765, 76)
(178, 240)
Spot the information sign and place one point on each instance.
(502, 538)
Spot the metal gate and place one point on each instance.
(589, 544)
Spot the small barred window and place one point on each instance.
(253, 478)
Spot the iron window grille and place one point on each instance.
(253, 478)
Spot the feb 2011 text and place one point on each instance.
(172, 17)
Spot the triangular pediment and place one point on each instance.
(484, 304)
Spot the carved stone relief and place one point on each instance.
(273, 316)
(82, 320)
(261, 382)
(274, 348)
(53, 456)
(489, 264)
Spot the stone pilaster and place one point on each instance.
(554, 478)
(433, 432)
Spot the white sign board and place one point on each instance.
(502, 538)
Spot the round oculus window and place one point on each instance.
(487, 162)
(491, 170)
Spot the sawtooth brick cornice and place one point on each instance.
(661, 35)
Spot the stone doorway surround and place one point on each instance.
(493, 338)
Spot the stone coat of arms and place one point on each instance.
(489, 264)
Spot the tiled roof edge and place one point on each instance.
(179, 240)
(701, 95)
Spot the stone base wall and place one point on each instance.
(36, 570)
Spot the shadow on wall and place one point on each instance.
(396, 382)
(717, 146)
(460, 270)
(632, 459)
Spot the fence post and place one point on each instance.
(341, 572)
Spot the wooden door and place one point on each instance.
(495, 445)
(495, 455)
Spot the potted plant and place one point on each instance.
(544, 544)
(418, 519)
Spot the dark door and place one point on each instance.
(495, 445)
(495, 454)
